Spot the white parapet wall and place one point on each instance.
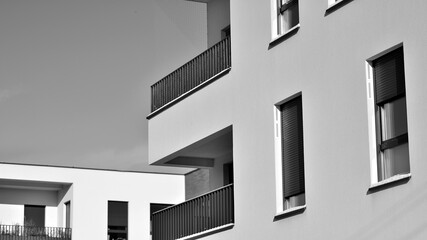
(89, 193)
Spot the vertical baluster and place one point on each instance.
(160, 229)
(217, 48)
(184, 79)
(170, 225)
(172, 221)
(205, 212)
(157, 92)
(172, 84)
(177, 81)
(184, 219)
(221, 55)
(202, 214)
(199, 214)
(166, 228)
(199, 72)
(209, 69)
(216, 209)
(188, 224)
(177, 221)
(190, 218)
(229, 51)
(213, 60)
(210, 210)
(232, 203)
(152, 98)
(162, 92)
(205, 68)
(225, 52)
(224, 207)
(181, 220)
(154, 227)
(181, 79)
(202, 69)
(228, 205)
(161, 226)
(193, 73)
(170, 87)
(175, 224)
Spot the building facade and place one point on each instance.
(38, 202)
(305, 121)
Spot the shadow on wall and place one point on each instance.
(376, 227)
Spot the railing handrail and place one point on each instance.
(198, 55)
(192, 74)
(193, 198)
(198, 215)
(23, 226)
(38, 232)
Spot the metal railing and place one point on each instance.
(192, 74)
(19, 232)
(208, 211)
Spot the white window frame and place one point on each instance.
(280, 209)
(275, 21)
(371, 107)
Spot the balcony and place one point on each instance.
(210, 212)
(193, 75)
(18, 232)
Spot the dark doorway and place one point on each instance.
(34, 215)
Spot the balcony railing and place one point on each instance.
(206, 212)
(18, 232)
(191, 75)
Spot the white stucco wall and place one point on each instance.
(194, 118)
(92, 189)
(11, 214)
(325, 60)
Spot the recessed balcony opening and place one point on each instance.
(209, 204)
(34, 210)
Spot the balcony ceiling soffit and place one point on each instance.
(32, 185)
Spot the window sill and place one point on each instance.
(336, 5)
(284, 36)
(289, 212)
(389, 182)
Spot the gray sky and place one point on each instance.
(75, 76)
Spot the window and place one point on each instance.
(390, 126)
(290, 153)
(285, 16)
(117, 220)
